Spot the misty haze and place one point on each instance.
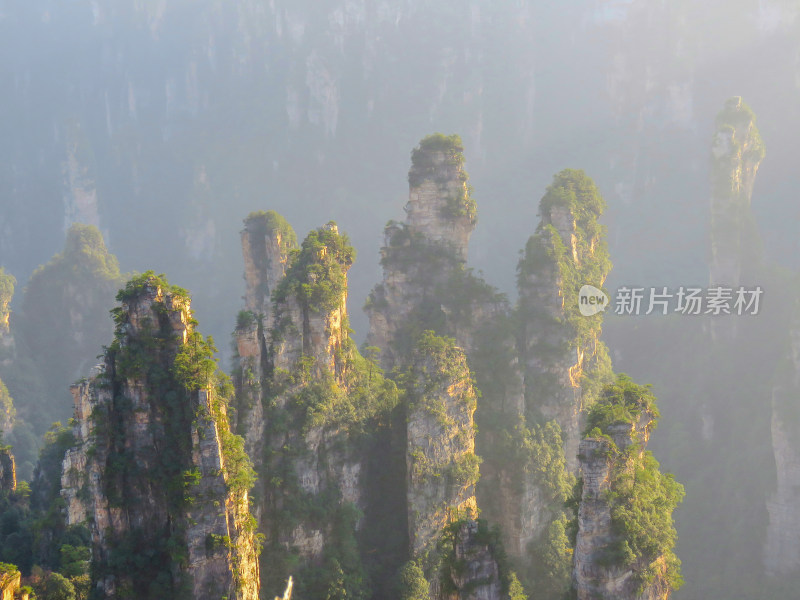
(414, 300)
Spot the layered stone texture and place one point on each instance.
(442, 466)
(546, 349)
(426, 253)
(595, 576)
(311, 331)
(10, 584)
(267, 240)
(558, 347)
(476, 575)
(439, 207)
(567, 252)
(8, 412)
(299, 352)
(138, 434)
(442, 472)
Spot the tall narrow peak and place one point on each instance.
(442, 465)
(7, 410)
(310, 309)
(455, 553)
(155, 465)
(426, 285)
(563, 360)
(327, 413)
(625, 533)
(7, 283)
(440, 205)
(736, 154)
(562, 364)
(267, 241)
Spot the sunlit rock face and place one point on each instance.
(438, 201)
(560, 347)
(441, 440)
(308, 405)
(294, 344)
(423, 254)
(138, 434)
(594, 578)
(442, 470)
(736, 154)
(267, 240)
(7, 283)
(10, 579)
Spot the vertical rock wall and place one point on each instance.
(442, 466)
(8, 472)
(736, 154)
(155, 469)
(7, 283)
(425, 255)
(561, 358)
(560, 346)
(297, 371)
(443, 469)
(267, 240)
(10, 584)
(782, 546)
(623, 548)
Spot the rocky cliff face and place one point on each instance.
(307, 402)
(782, 546)
(475, 574)
(267, 240)
(593, 579)
(561, 364)
(7, 411)
(442, 465)
(442, 472)
(7, 283)
(538, 366)
(10, 584)
(425, 283)
(349, 486)
(156, 474)
(736, 154)
(8, 471)
(623, 548)
(560, 347)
